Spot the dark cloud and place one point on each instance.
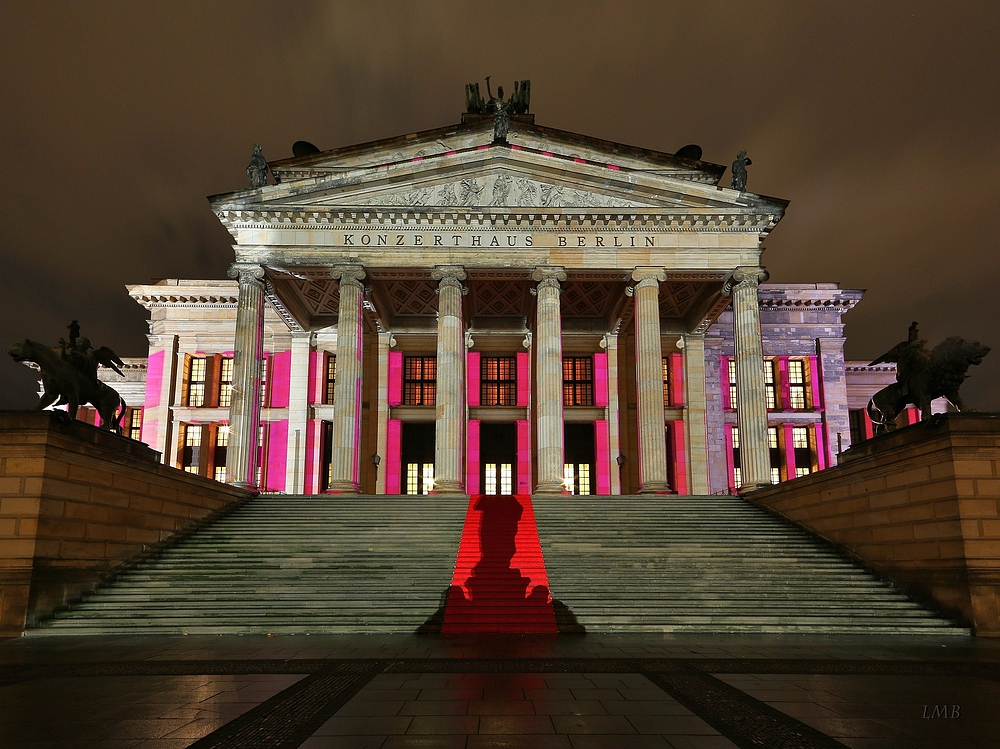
(877, 120)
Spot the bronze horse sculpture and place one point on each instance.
(922, 376)
(72, 380)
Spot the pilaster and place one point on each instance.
(298, 412)
(610, 344)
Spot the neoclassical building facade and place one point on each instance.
(550, 313)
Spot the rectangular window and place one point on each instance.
(732, 383)
(197, 375)
(505, 485)
(737, 474)
(769, 393)
(774, 452)
(191, 452)
(578, 381)
(419, 478)
(797, 384)
(220, 474)
(803, 451)
(857, 420)
(419, 380)
(576, 478)
(666, 381)
(263, 383)
(219, 453)
(331, 377)
(135, 424)
(800, 437)
(225, 382)
(499, 381)
(737, 477)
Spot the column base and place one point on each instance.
(343, 487)
(551, 487)
(448, 487)
(656, 487)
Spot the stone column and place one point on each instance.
(695, 405)
(244, 411)
(298, 412)
(649, 382)
(450, 400)
(548, 380)
(347, 388)
(751, 399)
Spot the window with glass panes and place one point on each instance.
(803, 451)
(419, 478)
(225, 382)
(797, 383)
(135, 424)
(737, 471)
(769, 394)
(263, 382)
(774, 451)
(221, 448)
(191, 450)
(331, 377)
(499, 381)
(578, 381)
(666, 380)
(197, 375)
(419, 380)
(732, 383)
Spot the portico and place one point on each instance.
(543, 283)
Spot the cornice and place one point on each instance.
(168, 299)
(827, 302)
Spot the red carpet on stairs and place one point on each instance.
(499, 583)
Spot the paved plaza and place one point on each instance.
(378, 691)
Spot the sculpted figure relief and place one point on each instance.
(923, 375)
(70, 377)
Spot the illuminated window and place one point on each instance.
(796, 384)
(578, 381)
(196, 382)
(666, 380)
(220, 473)
(736, 438)
(576, 478)
(801, 472)
(491, 478)
(800, 437)
(506, 479)
(428, 478)
(775, 475)
(499, 381)
(135, 424)
(732, 383)
(774, 451)
(225, 382)
(769, 393)
(737, 474)
(419, 478)
(331, 376)
(505, 475)
(263, 384)
(191, 452)
(569, 476)
(419, 380)
(737, 477)
(772, 437)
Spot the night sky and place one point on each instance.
(879, 121)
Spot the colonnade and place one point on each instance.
(548, 408)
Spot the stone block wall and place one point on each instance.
(75, 502)
(921, 505)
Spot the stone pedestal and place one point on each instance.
(549, 380)
(450, 401)
(347, 388)
(244, 411)
(649, 382)
(751, 397)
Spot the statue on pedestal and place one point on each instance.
(257, 169)
(740, 171)
(501, 110)
(923, 375)
(70, 377)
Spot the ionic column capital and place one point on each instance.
(646, 277)
(549, 276)
(449, 277)
(744, 276)
(247, 274)
(348, 275)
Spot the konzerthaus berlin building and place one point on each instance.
(446, 312)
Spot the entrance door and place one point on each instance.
(498, 458)
(417, 464)
(578, 470)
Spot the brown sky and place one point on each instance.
(878, 120)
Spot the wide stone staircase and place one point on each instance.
(295, 564)
(710, 564)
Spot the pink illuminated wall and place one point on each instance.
(601, 380)
(677, 380)
(816, 378)
(789, 450)
(473, 385)
(523, 455)
(280, 376)
(677, 446)
(154, 380)
(821, 446)
(395, 385)
(393, 458)
(523, 379)
(729, 456)
(602, 457)
(277, 455)
(785, 393)
(472, 460)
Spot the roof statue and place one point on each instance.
(740, 171)
(501, 110)
(922, 376)
(70, 377)
(257, 168)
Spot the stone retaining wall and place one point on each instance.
(76, 502)
(921, 505)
